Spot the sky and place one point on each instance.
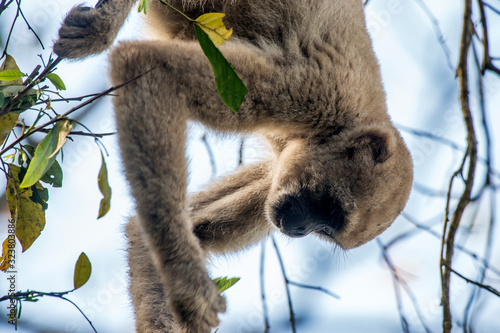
(422, 93)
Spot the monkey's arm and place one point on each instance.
(230, 215)
(151, 309)
(86, 30)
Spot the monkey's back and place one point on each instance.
(284, 23)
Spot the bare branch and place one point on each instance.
(480, 285)
(210, 154)
(265, 310)
(287, 288)
(77, 133)
(64, 115)
(451, 228)
(33, 294)
(397, 281)
(437, 32)
(50, 67)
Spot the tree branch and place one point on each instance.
(64, 115)
(450, 229)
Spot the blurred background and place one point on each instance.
(388, 285)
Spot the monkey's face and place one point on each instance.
(347, 188)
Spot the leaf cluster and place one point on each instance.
(30, 170)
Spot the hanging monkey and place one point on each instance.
(339, 169)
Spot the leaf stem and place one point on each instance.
(177, 10)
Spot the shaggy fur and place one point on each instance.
(339, 168)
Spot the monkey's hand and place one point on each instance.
(195, 301)
(86, 31)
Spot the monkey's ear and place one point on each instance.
(380, 147)
(378, 143)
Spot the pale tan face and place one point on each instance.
(348, 189)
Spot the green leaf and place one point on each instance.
(40, 196)
(12, 90)
(143, 6)
(223, 283)
(10, 65)
(8, 121)
(83, 269)
(54, 175)
(11, 75)
(28, 204)
(29, 299)
(56, 81)
(46, 152)
(102, 180)
(30, 149)
(20, 308)
(12, 316)
(6, 254)
(231, 89)
(10, 157)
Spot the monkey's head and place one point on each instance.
(347, 187)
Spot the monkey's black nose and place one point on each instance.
(299, 215)
(289, 217)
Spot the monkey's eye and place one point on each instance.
(327, 231)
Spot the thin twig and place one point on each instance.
(459, 247)
(487, 61)
(69, 99)
(491, 7)
(10, 31)
(83, 314)
(397, 291)
(487, 181)
(318, 288)
(437, 32)
(240, 154)
(429, 135)
(480, 285)
(4, 5)
(18, 296)
(398, 281)
(29, 25)
(430, 192)
(210, 153)
(32, 76)
(265, 310)
(287, 282)
(77, 133)
(443, 141)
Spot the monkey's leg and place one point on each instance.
(88, 30)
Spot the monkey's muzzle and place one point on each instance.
(299, 215)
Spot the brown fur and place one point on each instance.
(339, 167)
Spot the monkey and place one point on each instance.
(338, 168)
